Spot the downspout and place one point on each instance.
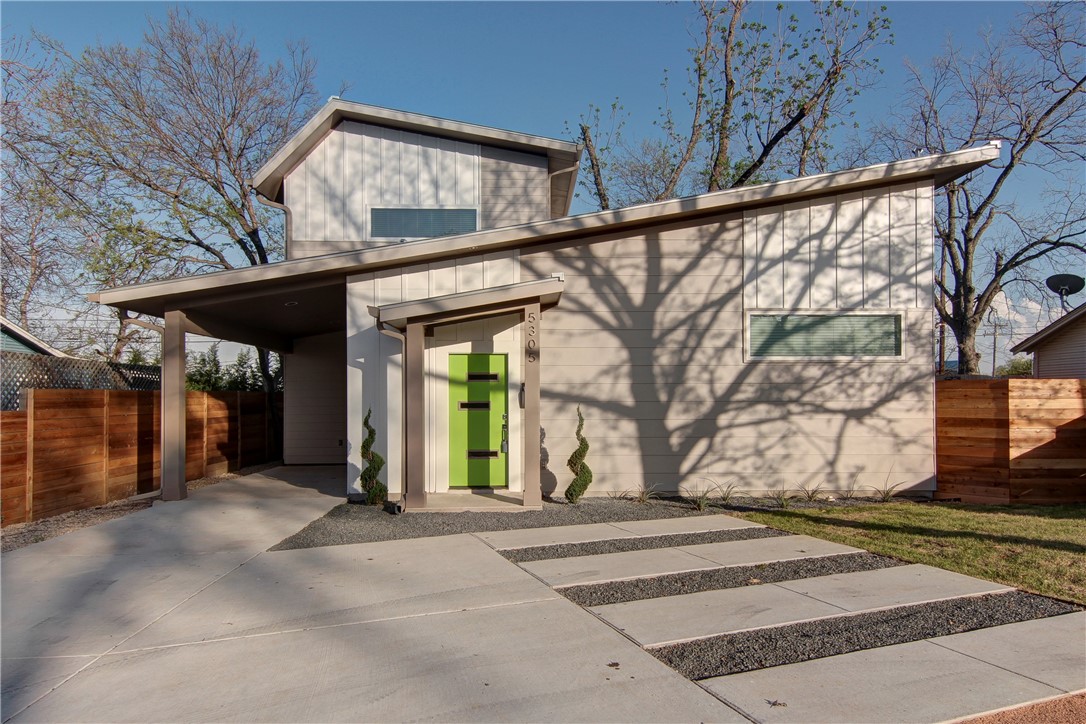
(387, 329)
(571, 170)
(288, 223)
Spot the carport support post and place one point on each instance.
(533, 495)
(173, 407)
(414, 417)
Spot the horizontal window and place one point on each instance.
(421, 223)
(825, 335)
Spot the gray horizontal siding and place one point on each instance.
(648, 339)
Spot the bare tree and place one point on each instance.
(35, 233)
(763, 100)
(1026, 88)
(167, 134)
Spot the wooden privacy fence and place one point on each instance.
(1011, 441)
(74, 449)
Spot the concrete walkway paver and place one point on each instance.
(1050, 650)
(921, 681)
(313, 587)
(654, 562)
(538, 661)
(658, 621)
(186, 601)
(591, 532)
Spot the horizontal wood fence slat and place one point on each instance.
(74, 449)
(1011, 441)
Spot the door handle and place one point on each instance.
(505, 438)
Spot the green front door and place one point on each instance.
(478, 421)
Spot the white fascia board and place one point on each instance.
(399, 313)
(941, 168)
(269, 178)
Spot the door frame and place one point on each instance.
(492, 335)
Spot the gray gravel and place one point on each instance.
(677, 584)
(779, 645)
(642, 543)
(347, 524)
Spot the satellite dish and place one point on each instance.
(1065, 285)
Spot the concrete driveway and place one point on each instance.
(179, 613)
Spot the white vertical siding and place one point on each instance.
(823, 247)
(876, 245)
(360, 166)
(850, 251)
(374, 361)
(864, 250)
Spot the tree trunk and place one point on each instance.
(968, 357)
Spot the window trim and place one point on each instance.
(899, 358)
(428, 207)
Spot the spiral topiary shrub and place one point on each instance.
(582, 474)
(376, 491)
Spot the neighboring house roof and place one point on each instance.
(563, 157)
(17, 339)
(301, 278)
(1035, 340)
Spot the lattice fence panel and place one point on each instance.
(22, 371)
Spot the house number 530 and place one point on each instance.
(533, 333)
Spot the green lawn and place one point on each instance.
(1041, 549)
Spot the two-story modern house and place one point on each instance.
(769, 336)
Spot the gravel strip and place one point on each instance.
(640, 543)
(790, 644)
(347, 524)
(677, 584)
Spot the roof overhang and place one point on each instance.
(266, 290)
(33, 342)
(463, 306)
(1032, 342)
(563, 157)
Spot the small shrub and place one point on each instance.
(645, 495)
(619, 494)
(782, 497)
(885, 494)
(374, 463)
(582, 474)
(377, 494)
(850, 492)
(727, 492)
(811, 493)
(699, 499)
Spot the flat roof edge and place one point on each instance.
(941, 168)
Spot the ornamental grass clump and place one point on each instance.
(376, 491)
(582, 474)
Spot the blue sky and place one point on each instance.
(527, 66)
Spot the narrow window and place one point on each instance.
(825, 335)
(421, 223)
